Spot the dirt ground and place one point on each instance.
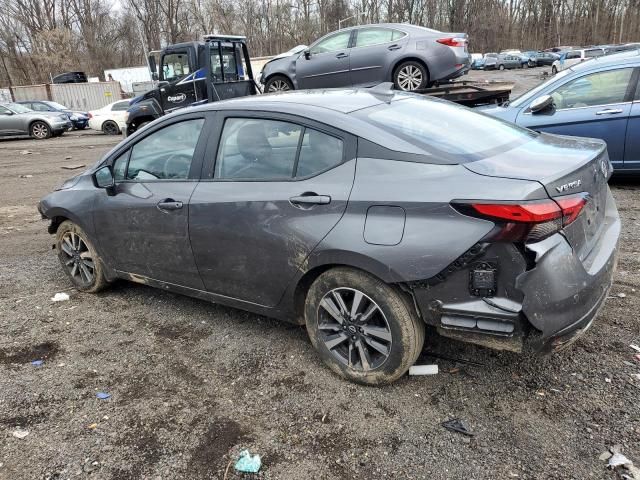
(192, 384)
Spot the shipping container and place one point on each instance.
(86, 96)
(5, 95)
(30, 92)
(128, 76)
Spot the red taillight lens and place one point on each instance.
(571, 207)
(453, 41)
(527, 221)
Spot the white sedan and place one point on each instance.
(110, 119)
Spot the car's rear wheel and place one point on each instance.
(410, 76)
(278, 83)
(40, 130)
(79, 258)
(110, 128)
(363, 329)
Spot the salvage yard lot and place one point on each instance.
(193, 383)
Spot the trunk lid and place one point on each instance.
(564, 166)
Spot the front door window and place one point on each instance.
(602, 88)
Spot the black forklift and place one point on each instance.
(193, 73)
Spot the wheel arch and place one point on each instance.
(364, 264)
(279, 74)
(41, 120)
(410, 58)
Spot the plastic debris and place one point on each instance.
(617, 460)
(423, 370)
(621, 295)
(459, 426)
(19, 433)
(25, 152)
(635, 347)
(103, 395)
(248, 463)
(26, 176)
(37, 363)
(72, 167)
(60, 297)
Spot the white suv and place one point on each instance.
(572, 57)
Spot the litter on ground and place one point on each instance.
(60, 297)
(248, 463)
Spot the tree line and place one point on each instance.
(39, 38)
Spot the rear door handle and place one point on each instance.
(609, 111)
(169, 204)
(309, 200)
(342, 55)
(394, 47)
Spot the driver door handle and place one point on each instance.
(308, 200)
(394, 47)
(609, 111)
(169, 204)
(342, 55)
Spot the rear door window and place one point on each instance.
(264, 149)
(375, 36)
(120, 106)
(601, 88)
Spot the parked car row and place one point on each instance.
(513, 59)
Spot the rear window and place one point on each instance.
(446, 130)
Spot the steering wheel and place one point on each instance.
(182, 160)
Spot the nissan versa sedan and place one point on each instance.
(412, 57)
(367, 215)
(599, 98)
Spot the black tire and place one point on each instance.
(278, 83)
(110, 128)
(410, 76)
(554, 70)
(40, 130)
(394, 327)
(82, 127)
(501, 67)
(79, 259)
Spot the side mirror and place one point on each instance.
(8, 113)
(541, 104)
(152, 64)
(307, 54)
(103, 178)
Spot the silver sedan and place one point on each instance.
(16, 119)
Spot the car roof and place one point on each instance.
(406, 27)
(629, 57)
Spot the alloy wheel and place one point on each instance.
(278, 86)
(40, 130)
(409, 78)
(354, 329)
(78, 259)
(110, 128)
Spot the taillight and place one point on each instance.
(453, 41)
(526, 221)
(89, 115)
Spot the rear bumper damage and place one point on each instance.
(538, 297)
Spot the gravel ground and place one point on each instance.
(192, 384)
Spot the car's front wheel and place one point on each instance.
(363, 329)
(410, 76)
(40, 130)
(278, 83)
(79, 258)
(110, 128)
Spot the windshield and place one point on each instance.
(17, 108)
(518, 101)
(57, 106)
(446, 130)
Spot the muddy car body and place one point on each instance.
(352, 211)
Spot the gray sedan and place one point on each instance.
(411, 57)
(366, 215)
(16, 119)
